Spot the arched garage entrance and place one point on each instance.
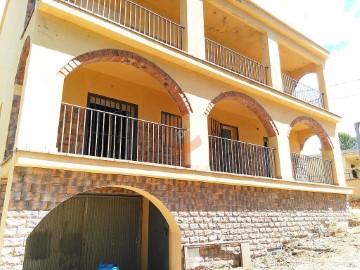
(110, 225)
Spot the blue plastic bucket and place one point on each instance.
(107, 266)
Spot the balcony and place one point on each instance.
(90, 132)
(233, 156)
(239, 137)
(232, 43)
(234, 62)
(134, 17)
(302, 91)
(312, 169)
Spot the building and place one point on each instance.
(159, 134)
(351, 165)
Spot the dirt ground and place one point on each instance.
(338, 250)
(334, 248)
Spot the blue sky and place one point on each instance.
(348, 5)
(337, 46)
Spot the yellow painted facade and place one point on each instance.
(351, 165)
(149, 96)
(60, 32)
(249, 127)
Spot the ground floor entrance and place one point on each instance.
(90, 229)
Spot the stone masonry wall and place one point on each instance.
(204, 212)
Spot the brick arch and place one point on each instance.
(137, 61)
(125, 188)
(19, 78)
(252, 105)
(317, 129)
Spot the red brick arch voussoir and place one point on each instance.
(137, 61)
(317, 129)
(252, 105)
(19, 78)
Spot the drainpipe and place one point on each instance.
(357, 125)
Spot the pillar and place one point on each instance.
(192, 18)
(41, 101)
(271, 59)
(336, 162)
(282, 152)
(322, 84)
(197, 141)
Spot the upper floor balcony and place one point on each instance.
(115, 112)
(235, 62)
(238, 141)
(142, 17)
(223, 35)
(302, 91)
(233, 44)
(294, 67)
(313, 169)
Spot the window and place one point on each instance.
(173, 130)
(170, 119)
(224, 131)
(222, 145)
(111, 128)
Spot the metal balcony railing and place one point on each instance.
(134, 17)
(88, 132)
(241, 158)
(302, 91)
(235, 62)
(311, 169)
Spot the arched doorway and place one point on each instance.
(136, 61)
(302, 78)
(115, 225)
(239, 132)
(118, 105)
(314, 165)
